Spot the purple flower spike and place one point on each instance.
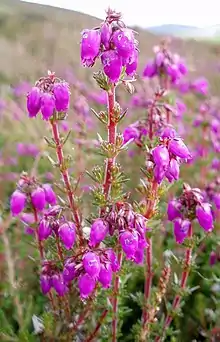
(173, 170)
(204, 216)
(45, 283)
(38, 198)
(59, 284)
(161, 156)
(124, 41)
(67, 233)
(69, 271)
(105, 275)
(129, 243)
(91, 263)
(44, 230)
(99, 230)
(62, 96)
(179, 149)
(173, 210)
(90, 46)
(34, 102)
(112, 64)
(50, 195)
(47, 105)
(86, 285)
(17, 202)
(181, 228)
(113, 260)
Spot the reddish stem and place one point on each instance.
(115, 300)
(112, 131)
(148, 268)
(98, 326)
(66, 180)
(184, 277)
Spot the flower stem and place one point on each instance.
(98, 326)
(112, 131)
(148, 269)
(116, 285)
(184, 278)
(66, 179)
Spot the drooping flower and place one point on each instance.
(124, 42)
(58, 284)
(50, 195)
(86, 285)
(98, 232)
(47, 105)
(90, 46)
(17, 202)
(179, 149)
(38, 198)
(129, 133)
(161, 156)
(91, 263)
(44, 230)
(204, 216)
(69, 271)
(45, 283)
(105, 275)
(62, 96)
(181, 228)
(173, 210)
(129, 243)
(173, 170)
(112, 64)
(34, 102)
(106, 32)
(67, 233)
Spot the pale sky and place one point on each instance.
(148, 12)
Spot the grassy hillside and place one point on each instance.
(34, 38)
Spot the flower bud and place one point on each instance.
(173, 210)
(124, 41)
(86, 285)
(34, 102)
(50, 195)
(173, 170)
(38, 198)
(69, 271)
(105, 275)
(112, 64)
(129, 243)
(91, 263)
(159, 174)
(113, 260)
(106, 32)
(181, 228)
(44, 230)
(178, 148)
(59, 284)
(45, 283)
(17, 202)
(131, 64)
(62, 96)
(161, 156)
(90, 46)
(47, 105)
(67, 233)
(204, 216)
(98, 232)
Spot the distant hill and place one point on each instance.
(35, 38)
(186, 31)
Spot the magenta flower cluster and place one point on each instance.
(189, 206)
(168, 155)
(50, 94)
(31, 194)
(114, 43)
(165, 64)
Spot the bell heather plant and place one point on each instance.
(82, 270)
